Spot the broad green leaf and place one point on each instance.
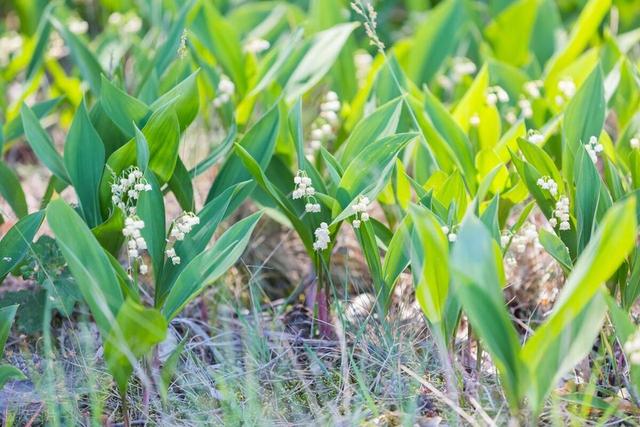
(134, 333)
(369, 170)
(150, 209)
(563, 351)
(478, 279)
(15, 244)
(223, 42)
(11, 190)
(260, 143)
(8, 373)
(88, 263)
(209, 265)
(436, 38)
(184, 100)
(583, 118)
(317, 61)
(431, 267)
(42, 145)
(84, 160)
(514, 47)
(197, 239)
(123, 109)
(379, 124)
(582, 32)
(556, 248)
(7, 314)
(605, 252)
(181, 186)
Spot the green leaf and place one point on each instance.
(260, 143)
(142, 150)
(135, 331)
(605, 252)
(11, 190)
(150, 209)
(478, 279)
(42, 145)
(223, 43)
(435, 40)
(184, 100)
(88, 263)
(15, 244)
(381, 123)
(583, 118)
(369, 171)
(582, 32)
(318, 60)
(9, 373)
(7, 314)
(556, 248)
(209, 265)
(123, 109)
(181, 186)
(431, 266)
(514, 47)
(84, 160)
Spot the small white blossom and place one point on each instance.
(474, 120)
(525, 108)
(225, 91)
(632, 348)
(322, 237)
(462, 67)
(567, 87)
(360, 209)
(496, 94)
(561, 213)
(453, 237)
(535, 137)
(78, 26)
(362, 61)
(303, 188)
(635, 142)
(547, 183)
(593, 148)
(533, 88)
(256, 45)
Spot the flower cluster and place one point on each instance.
(360, 208)
(322, 237)
(182, 47)
(180, 227)
(183, 225)
(9, 45)
(525, 107)
(567, 89)
(304, 189)
(496, 94)
(135, 242)
(593, 148)
(474, 120)
(226, 89)
(547, 183)
(527, 235)
(324, 126)
(533, 88)
(370, 17)
(78, 26)
(256, 45)
(632, 348)
(129, 23)
(535, 137)
(451, 236)
(561, 213)
(462, 67)
(126, 189)
(362, 60)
